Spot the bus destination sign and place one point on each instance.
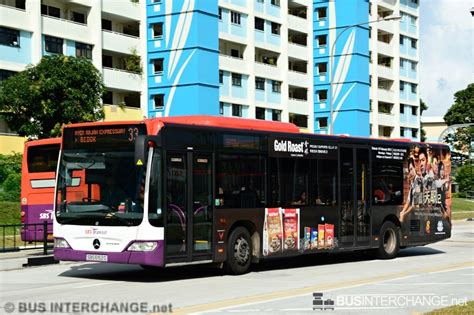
(103, 135)
(301, 148)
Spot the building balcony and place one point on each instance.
(115, 113)
(387, 26)
(297, 23)
(14, 17)
(386, 119)
(122, 79)
(120, 42)
(298, 51)
(385, 72)
(299, 106)
(299, 78)
(122, 8)
(267, 71)
(386, 95)
(63, 28)
(233, 64)
(385, 48)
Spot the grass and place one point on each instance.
(458, 309)
(462, 209)
(9, 212)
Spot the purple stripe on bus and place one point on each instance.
(154, 258)
(35, 215)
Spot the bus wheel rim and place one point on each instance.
(242, 251)
(389, 241)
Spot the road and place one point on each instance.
(420, 279)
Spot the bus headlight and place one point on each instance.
(142, 246)
(61, 243)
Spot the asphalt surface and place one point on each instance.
(419, 280)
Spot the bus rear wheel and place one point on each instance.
(389, 243)
(239, 251)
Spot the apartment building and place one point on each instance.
(106, 31)
(250, 59)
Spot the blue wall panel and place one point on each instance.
(19, 54)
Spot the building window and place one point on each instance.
(413, 66)
(83, 50)
(5, 74)
(159, 101)
(276, 28)
(108, 97)
(259, 24)
(402, 63)
(412, 20)
(79, 17)
(276, 115)
(321, 13)
(322, 40)
(401, 40)
(221, 108)
(414, 1)
(322, 122)
(236, 110)
(9, 37)
(260, 83)
(157, 30)
(158, 66)
(235, 53)
(402, 86)
(322, 68)
(413, 43)
(235, 17)
(413, 87)
(414, 110)
(106, 24)
(299, 120)
(402, 132)
(276, 86)
(275, 2)
(323, 95)
(402, 109)
(414, 133)
(50, 11)
(236, 79)
(221, 77)
(53, 44)
(220, 14)
(260, 1)
(260, 113)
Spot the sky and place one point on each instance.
(446, 52)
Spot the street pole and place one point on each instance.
(332, 84)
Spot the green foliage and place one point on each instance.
(133, 62)
(423, 107)
(461, 112)
(12, 187)
(9, 164)
(9, 212)
(59, 90)
(465, 179)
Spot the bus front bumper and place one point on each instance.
(150, 258)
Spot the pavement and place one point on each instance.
(25, 258)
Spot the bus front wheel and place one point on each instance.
(239, 251)
(389, 241)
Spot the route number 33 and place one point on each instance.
(132, 134)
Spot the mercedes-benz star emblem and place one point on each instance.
(96, 243)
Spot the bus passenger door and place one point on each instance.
(347, 230)
(189, 215)
(362, 197)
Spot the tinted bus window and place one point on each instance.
(323, 182)
(288, 181)
(240, 181)
(43, 158)
(387, 182)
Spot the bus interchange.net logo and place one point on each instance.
(384, 301)
(86, 307)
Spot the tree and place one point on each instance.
(465, 179)
(461, 112)
(59, 90)
(423, 107)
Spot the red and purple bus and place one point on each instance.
(200, 189)
(38, 174)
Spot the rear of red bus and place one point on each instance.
(40, 158)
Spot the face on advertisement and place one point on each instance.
(423, 160)
(441, 170)
(435, 165)
(411, 169)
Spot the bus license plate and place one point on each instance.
(94, 257)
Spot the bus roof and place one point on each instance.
(32, 143)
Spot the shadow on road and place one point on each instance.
(132, 273)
